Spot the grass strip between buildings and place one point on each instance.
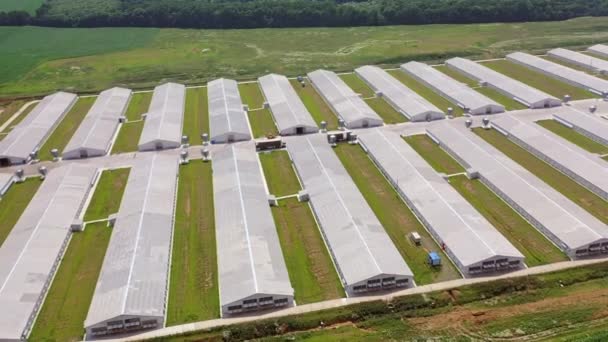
(357, 85)
(538, 80)
(573, 136)
(260, 119)
(311, 271)
(65, 308)
(318, 109)
(394, 215)
(66, 128)
(12, 110)
(130, 131)
(530, 242)
(560, 182)
(194, 289)
(575, 67)
(14, 203)
(196, 116)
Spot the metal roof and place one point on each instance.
(452, 89)
(31, 251)
(6, 180)
(563, 155)
(588, 124)
(569, 226)
(31, 133)
(134, 273)
(399, 96)
(163, 123)
(360, 246)
(227, 118)
(343, 101)
(287, 109)
(580, 59)
(599, 49)
(95, 133)
(519, 91)
(560, 72)
(467, 235)
(250, 260)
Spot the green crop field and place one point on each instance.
(538, 80)
(394, 215)
(67, 302)
(66, 128)
(533, 245)
(315, 104)
(130, 131)
(311, 271)
(29, 6)
(560, 182)
(573, 136)
(196, 116)
(40, 60)
(260, 118)
(194, 289)
(14, 203)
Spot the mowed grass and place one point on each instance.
(425, 92)
(575, 66)
(357, 85)
(130, 131)
(66, 128)
(67, 302)
(573, 136)
(260, 118)
(538, 80)
(318, 109)
(394, 215)
(29, 6)
(535, 247)
(560, 182)
(194, 289)
(14, 203)
(196, 116)
(311, 271)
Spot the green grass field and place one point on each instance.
(194, 289)
(66, 128)
(14, 203)
(260, 119)
(357, 85)
(531, 243)
(560, 182)
(130, 131)
(67, 302)
(538, 80)
(29, 6)
(196, 116)
(425, 92)
(9, 109)
(311, 271)
(573, 136)
(319, 110)
(39, 60)
(395, 216)
(20, 118)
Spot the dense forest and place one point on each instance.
(296, 13)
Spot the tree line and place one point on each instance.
(296, 13)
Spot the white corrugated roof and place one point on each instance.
(226, 114)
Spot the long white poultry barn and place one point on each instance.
(588, 125)
(33, 250)
(457, 92)
(574, 77)
(163, 123)
(401, 98)
(345, 103)
(518, 91)
(562, 155)
(472, 243)
(227, 118)
(290, 114)
(6, 181)
(94, 136)
(132, 287)
(365, 257)
(599, 49)
(568, 226)
(29, 135)
(252, 271)
(580, 59)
